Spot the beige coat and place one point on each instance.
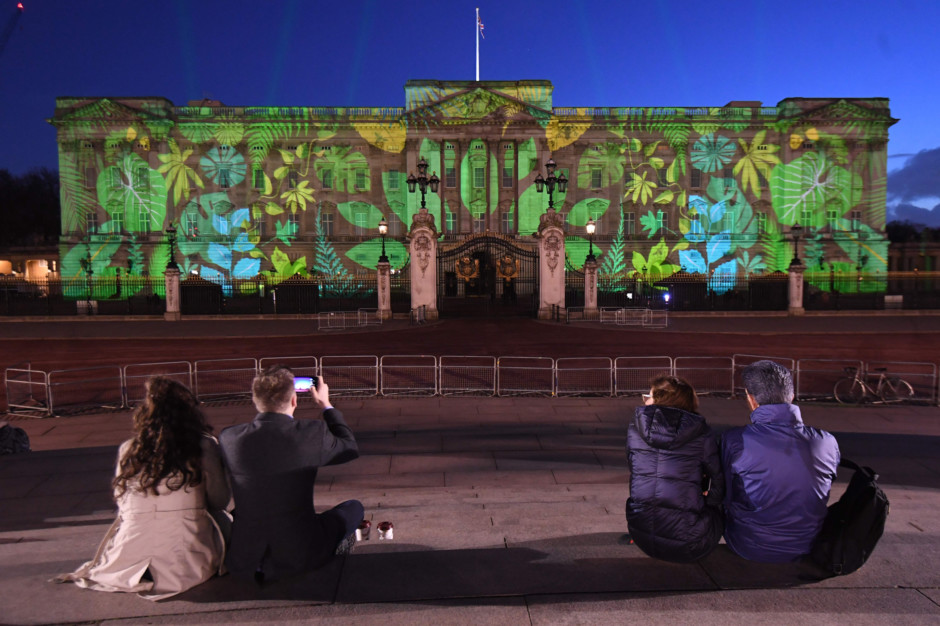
(172, 535)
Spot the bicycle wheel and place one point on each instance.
(896, 390)
(848, 391)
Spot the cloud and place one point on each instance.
(919, 178)
(916, 215)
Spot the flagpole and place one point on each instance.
(476, 27)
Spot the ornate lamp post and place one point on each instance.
(551, 182)
(383, 230)
(171, 241)
(422, 181)
(590, 227)
(795, 230)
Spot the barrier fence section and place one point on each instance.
(584, 376)
(136, 376)
(224, 379)
(412, 374)
(27, 390)
(740, 361)
(816, 378)
(707, 374)
(65, 391)
(86, 388)
(633, 374)
(466, 375)
(525, 375)
(351, 376)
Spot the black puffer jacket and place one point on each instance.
(673, 458)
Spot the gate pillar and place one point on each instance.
(795, 292)
(590, 288)
(423, 249)
(171, 281)
(385, 288)
(551, 238)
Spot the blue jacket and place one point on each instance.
(673, 457)
(778, 473)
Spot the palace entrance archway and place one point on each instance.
(487, 275)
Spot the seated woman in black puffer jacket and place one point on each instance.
(676, 484)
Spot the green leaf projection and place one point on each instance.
(280, 191)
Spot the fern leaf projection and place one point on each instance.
(613, 264)
(329, 264)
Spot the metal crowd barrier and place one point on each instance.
(111, 386)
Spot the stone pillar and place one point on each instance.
(551, 238)
(796, 289)
(423, 248)
(590, 287)
(171, 281)
(385, 288)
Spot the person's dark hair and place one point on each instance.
(768, 382)
(167, 445)
(674, 392)
(272, 388)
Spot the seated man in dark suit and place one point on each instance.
(273, 463)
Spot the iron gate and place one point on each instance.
(487, 275)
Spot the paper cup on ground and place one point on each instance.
(364, 530)
(386, 530)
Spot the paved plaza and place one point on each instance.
(506, 511)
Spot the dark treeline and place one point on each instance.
(30, 206)
(905, 231)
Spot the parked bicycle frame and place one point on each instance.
(853, 389)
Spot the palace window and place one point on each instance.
(261, 226)
(662, 220)
(142, 178)
(117, 221)
(91, 223)
(360, 179)
(661, 173)
(362, 224)
(629, 223)
(191, 225)
(394, 182)
(326, 224)
(115, 177)
(450, 176)
(293, 177)
(293, 224)
(832, 216)
(326, 176)
(506, 222)
(143, 220)
(695, 178)
(479, 222)
(479, 177)
(597, 177)
(257, 178)
(450, 221)
(225, 177)
(806, 217)
(856, 217)
(761, 222)
(91, 177)
(507, 176)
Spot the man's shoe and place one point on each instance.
(346, 545)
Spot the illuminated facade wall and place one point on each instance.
(285, 190)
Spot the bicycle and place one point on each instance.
(853, 389)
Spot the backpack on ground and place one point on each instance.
(13, 440)
(853, 525)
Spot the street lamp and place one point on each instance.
(551, 182)
(590, 227)
(422, 181)
(171, 240)
(795, 230)
(383, 230)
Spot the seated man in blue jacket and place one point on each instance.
(778, 472)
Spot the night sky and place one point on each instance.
(599, 53)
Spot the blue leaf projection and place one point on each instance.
(220, 255)
(692, 261)
(210, 273)
(699, 204)
(716, 212)
(242, 244)
(239, 217)
(246, 268)
(718, 246)
(724, 277)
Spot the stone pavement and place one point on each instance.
(506, 511)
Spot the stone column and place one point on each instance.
(171, 281)
(385, 288)
(423, 248)
(551, 238)
(590, 288)
(796, 289)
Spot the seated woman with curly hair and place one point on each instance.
(676, 483)
(170, 488)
